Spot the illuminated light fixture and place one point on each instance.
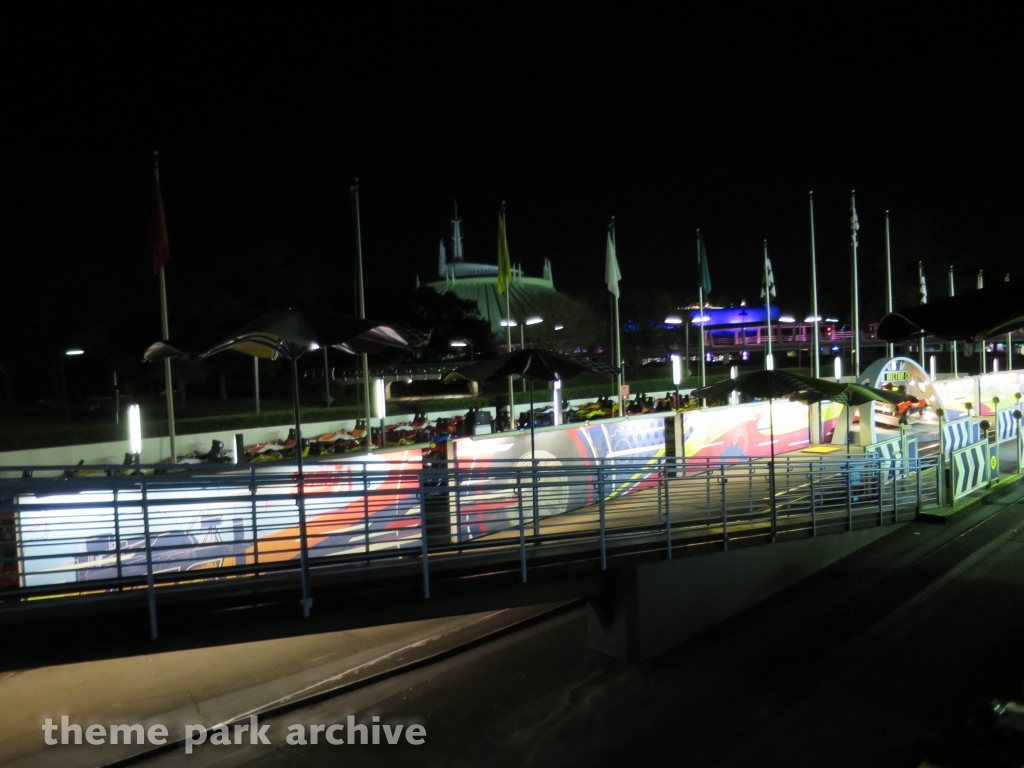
(458, 343)
(556, 402)
(831, 319)
(673, 320)
(931, 366)
(838, 368)
(811, 319)
(559, 327)
(677, 370)
(379, 399)
(533, 320)
(835, 348)
(74, 352)
(135, 429)
(787, 319)
(508, 323)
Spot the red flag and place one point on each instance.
(158, 228)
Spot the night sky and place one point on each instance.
(670, 121)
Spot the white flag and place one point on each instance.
(768, 280)
(924, 288)
(611, 268)
(981, 279)
(854, 222)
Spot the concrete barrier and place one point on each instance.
(653, 607)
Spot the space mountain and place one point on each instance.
(478, 282)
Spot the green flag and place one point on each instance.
(705, 276)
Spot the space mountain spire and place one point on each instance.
(457, 236)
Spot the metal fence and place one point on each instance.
(109, 531)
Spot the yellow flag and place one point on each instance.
(504, 265)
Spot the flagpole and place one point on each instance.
(354, 189)
(768, 362)
(816, 370)
(952, 345)
(615, 320)
(889, 348)
(1009, 338)
(508, 321)
(856, 287)
(984, 359)
(164, 327)
(924, 300)
(700, 322)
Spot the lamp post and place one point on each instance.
(677, 375)
(676, 320)
(533, 320)
(380, 399)
(73, 352)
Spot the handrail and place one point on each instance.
(215, 525)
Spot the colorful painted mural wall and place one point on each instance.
(351, 506)
(744, 431)
(497, 469)
(979, 391)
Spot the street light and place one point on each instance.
(677, 377)
(534, 320)
(135, 431)
(380, 400)
(461, 343)
(676, 320)
(72, 352)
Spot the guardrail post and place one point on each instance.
(707, 474)
(151, 586)
(117, 535)
(668, 523)
(750, 484)
(307, 600)
(536, 504)
(458, 505)
(725, 513)
(940, 480)
(600, 482)
(771, 494)
(814, 505)
(849, 498)
(424, 552)
(366, 508)
(920, 503)
(662, 475)
(522, 528)
(255, 528)
(881, 492)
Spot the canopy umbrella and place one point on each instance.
(774, 384)
(972, 316)
(290, 334)
(531, 365)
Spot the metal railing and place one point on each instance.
(73, 535)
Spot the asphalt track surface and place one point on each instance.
(862, 664)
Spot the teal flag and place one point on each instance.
(705, 275)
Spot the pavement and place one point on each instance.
(862, 664)
(217, 684)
